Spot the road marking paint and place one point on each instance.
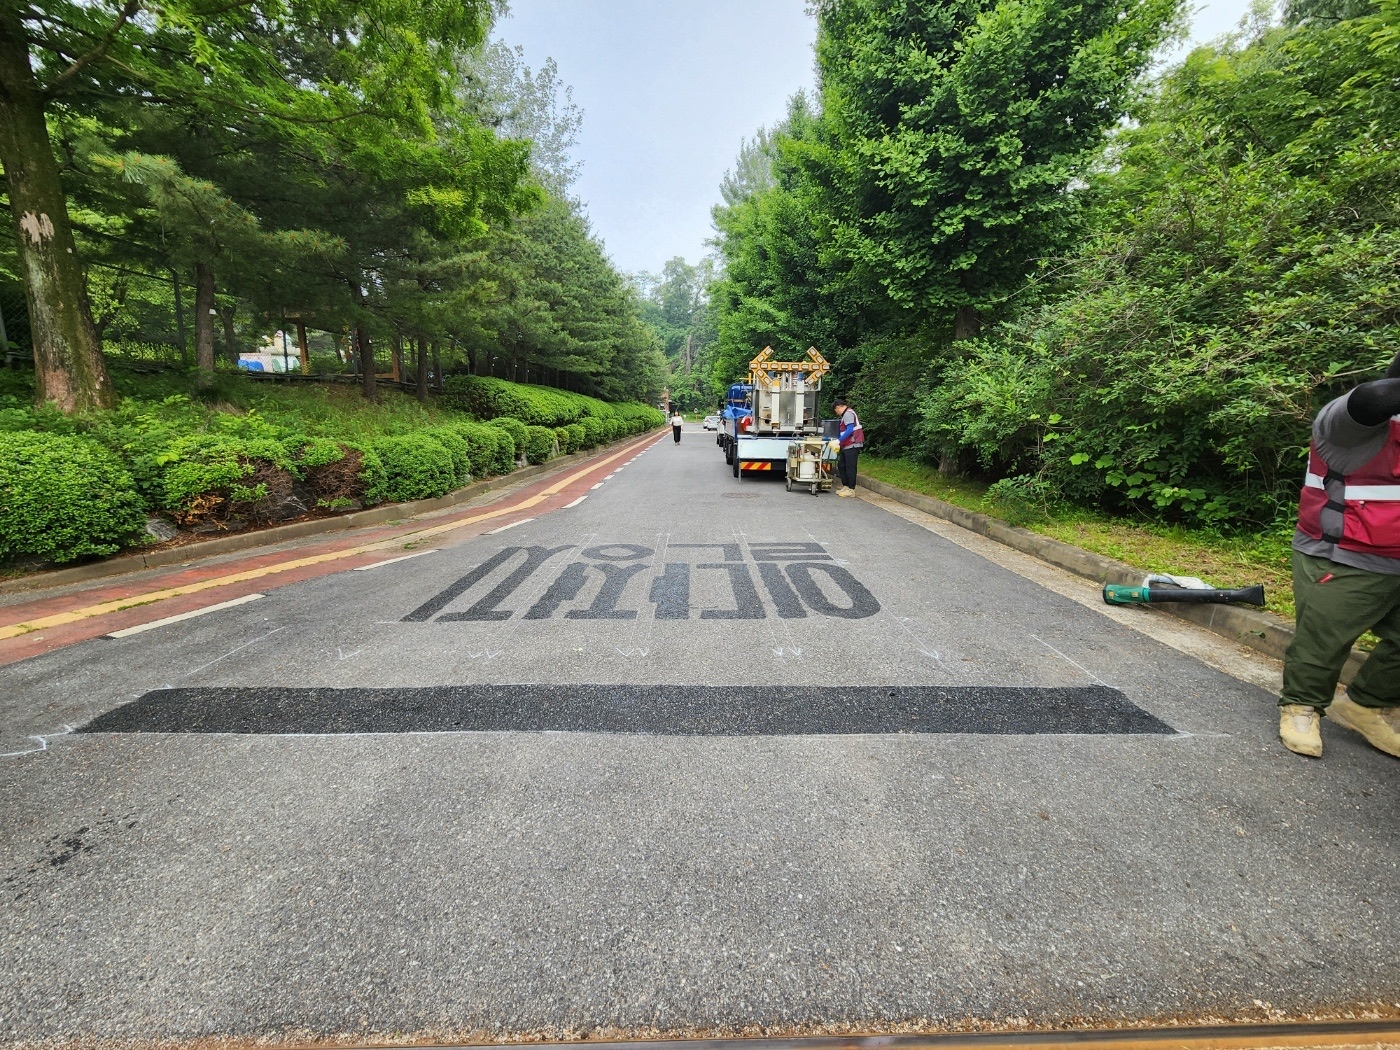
(597, 486)
(575, 503)
(390, 561)
(512, 525)
(14, 630)
(125, 632)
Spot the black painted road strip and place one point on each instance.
(667, 710)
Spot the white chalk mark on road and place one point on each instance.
(391, 561)
(125, 631)
(1067, 660)
(575, 503)
(43, 743)
(236, 649)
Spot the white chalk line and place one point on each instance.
(239, 648)
(1062, 656)
(575, 503)
(43, 743)
(391, 561)
(127, 631)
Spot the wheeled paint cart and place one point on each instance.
(809, 465)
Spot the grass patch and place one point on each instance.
(1220, 560)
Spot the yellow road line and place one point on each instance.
(14, 630)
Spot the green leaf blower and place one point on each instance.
(1162, 588)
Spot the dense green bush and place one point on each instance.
(640, 418)
(594, 432)
(540, 444)
(578, 436)
(488, 398)
(204, 476)
(416, 466)
(484, 447)
(517, 430)
(565, 440)
(63, 498)
(459, 450)
(1242, 264)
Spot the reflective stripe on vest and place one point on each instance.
(1358, 493)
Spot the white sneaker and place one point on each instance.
(846, 492)
(1298, 728)
(1379, 725)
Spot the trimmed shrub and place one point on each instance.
(540, 444)
(339, 474)
(488, 398)
(578, 436)
(485, 447)
(460, 451)
(614, 428)
(595, 433)
(203, 478)
(565, 439)
(63, 498)
(416, 466)
(517, 431)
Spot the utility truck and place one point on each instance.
(778, 405)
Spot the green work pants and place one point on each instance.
(1331, 616)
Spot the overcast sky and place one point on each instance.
(669, 89)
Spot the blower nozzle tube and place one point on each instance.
(1129, 594)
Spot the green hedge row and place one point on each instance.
(73, 488)
(487, 398)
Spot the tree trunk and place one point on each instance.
(396, 357)
(69, 369)
(179, 316)
(367, 386)
(437, 368)
(204, 322)
(422, 377)
(302, 347)
(966, 324)
(226, 314)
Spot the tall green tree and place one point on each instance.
(958, 130)
(381, 67)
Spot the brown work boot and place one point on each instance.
(1379, 725)
(1298, 729)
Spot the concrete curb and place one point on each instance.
(124, 563)
(1258, 630)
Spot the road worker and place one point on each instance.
(852, 438)
(1346, 572)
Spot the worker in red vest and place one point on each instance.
(852, 438)
(1346, 572)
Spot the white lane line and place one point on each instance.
(575, 503)
(124, 632)
(512, 525)
(390, 561)
(597, 486)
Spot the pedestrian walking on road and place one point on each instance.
(1346, 572)
(676, 421)
(852, 437)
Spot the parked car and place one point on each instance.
(711, 423)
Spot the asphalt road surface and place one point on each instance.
(690, 754)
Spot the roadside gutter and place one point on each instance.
(1262, 631)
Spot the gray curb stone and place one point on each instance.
(124, 563)
(1258, 630)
